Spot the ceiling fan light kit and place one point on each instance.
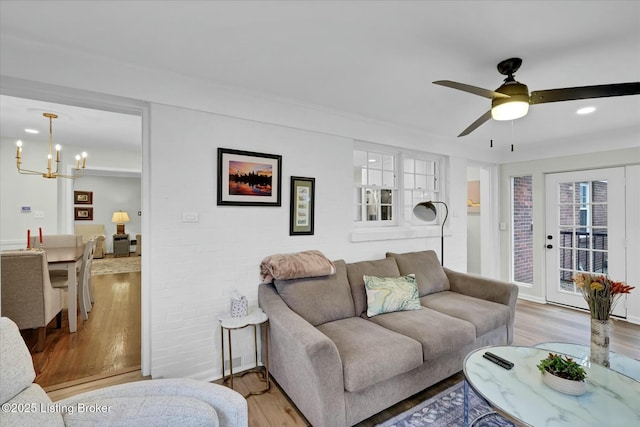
(511, 100)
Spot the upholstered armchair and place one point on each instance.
(101, 245)
(138, 244)
(180, 402)
(27, 295)
(88, 231)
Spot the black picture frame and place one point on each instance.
(302, 206)
(246, 178)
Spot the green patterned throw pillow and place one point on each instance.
(389, 294)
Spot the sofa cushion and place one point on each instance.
(389, 294)
(438, 333)
(484, 315)
(34, 400)
(319, 299)
(356, 271)
(16, 366)
(371, 353)
(425, 265)
(144, 410)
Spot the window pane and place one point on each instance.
(388, 179)
(599, 216)
(359, 176)
(421, 167)
(375, 177)
(565, 192)
(421, 182)
(360, 158)
(408, 165)
(599, 191)
(388, 162)
(375, 161)
(409, 181)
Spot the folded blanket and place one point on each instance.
(295, 266)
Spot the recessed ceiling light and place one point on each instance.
(31, 131)
(586, 110)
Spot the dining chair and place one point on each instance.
(28, 298)
(59, 279)
(85, 272)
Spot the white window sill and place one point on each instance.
(394, 233)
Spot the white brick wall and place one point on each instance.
(194, 267)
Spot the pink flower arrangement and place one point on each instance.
(600, 293)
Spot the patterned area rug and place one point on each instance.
(447, 410)
(115, 265)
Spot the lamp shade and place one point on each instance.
(120, 217)
(425, 211)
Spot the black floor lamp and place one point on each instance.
(427, 211)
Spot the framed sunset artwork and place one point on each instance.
(246, 178)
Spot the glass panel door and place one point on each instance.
(585, 231)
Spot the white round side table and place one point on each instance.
(255, 317)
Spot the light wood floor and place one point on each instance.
(534, 323)
(107, 343)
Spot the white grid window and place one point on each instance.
(420, 183)
(374, 176)
(388, 184)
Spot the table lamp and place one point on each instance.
(119, 218)
(427, 211)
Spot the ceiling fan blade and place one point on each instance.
(473, 126)
(584, 92)
(471, 89)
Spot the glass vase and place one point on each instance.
(600, 331)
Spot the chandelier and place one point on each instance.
(78, 171)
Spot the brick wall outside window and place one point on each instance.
(522, 226)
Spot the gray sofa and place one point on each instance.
(340, 366)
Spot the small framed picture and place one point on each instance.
(249, 179)
(83, 214)
(83, 197)
(302, 206)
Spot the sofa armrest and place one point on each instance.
(133, 402)
(304, 362)
(484, 288)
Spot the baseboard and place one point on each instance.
(531, 298)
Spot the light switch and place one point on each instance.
(503, 226)
(189, 216)
(38, 214)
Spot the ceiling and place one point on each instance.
(373, 59)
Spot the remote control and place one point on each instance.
(495, 356)
(502, 363)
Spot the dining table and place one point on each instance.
(69, 259)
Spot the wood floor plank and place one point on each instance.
(107, 343)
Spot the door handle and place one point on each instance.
(549, 246)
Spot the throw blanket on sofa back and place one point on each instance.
(295, 266)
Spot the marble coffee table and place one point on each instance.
(520, 395)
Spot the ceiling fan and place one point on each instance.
(511, 100)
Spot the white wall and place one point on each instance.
(33, 191)
(537, 169)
